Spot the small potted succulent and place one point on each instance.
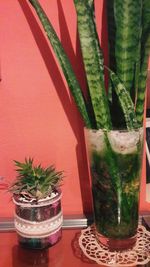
(37, 197)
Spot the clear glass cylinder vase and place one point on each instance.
(115, 159)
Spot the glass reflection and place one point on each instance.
(24, 257)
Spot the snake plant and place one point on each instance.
(129, 46)
(121, 105)
(35, 182)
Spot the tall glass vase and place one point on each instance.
(115, 159)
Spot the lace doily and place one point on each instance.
(138, 255)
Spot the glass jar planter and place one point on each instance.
(38, 225)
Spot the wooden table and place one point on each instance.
(66, 253)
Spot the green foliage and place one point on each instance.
(128, 15)
(64, 63)
(129, 46)
(145, 51)
(35, 182)
(125, 102)
(93, 62)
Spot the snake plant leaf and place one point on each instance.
(145, 52)
(93, 62)
(124, 32)
(67, 69)
(113, 170)
(128, 31)
(142, 86)
(99, 50)
(111, 37)
(125, 101)
(111, 33)
(145, 20)
(91, 5)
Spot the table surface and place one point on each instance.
(66, 253)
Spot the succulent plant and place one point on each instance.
(35, 182)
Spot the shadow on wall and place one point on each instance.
(67, 102)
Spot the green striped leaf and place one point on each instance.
(64, 62)
(128, 31)
(91, 5)
(142, 85)
(124, 32)
(111, 34)
(114, 171)
(125, 101)
(146, 18)
(93, 62)
(111, 39)
(145, 52)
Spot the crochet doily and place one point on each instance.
(138, 255)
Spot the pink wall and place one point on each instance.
(38, 117)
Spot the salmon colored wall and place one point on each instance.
(38, 117)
